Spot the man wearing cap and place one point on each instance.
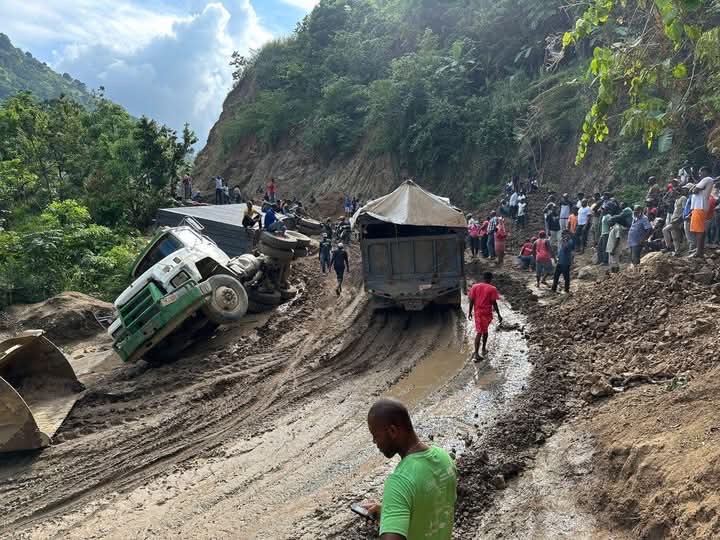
(325, 253)
(340, 263)
(700, 205)
(640, 230)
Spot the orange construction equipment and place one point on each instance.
(38, 388)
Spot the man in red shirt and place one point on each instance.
(483, 299)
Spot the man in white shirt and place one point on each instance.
(583, 227)
(700, 208)
(218, 190)
(513, 204)
(564, 211)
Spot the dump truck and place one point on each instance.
(412, 245)
(184, 286)
(38, 388)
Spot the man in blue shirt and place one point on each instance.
(270, 220)
(640, 230)
(564, 260)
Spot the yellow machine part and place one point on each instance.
(38, 388)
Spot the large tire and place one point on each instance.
(301, 252)
(280, 255)
(257, 307)
(273, 298)
(289, 293)
(283, 242)
(309, 223)
(308, 232)
(302, 240)
(228, 300)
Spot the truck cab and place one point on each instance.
(181, 279)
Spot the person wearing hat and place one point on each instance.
(325, 253)
(638, 233)
(340, 263)
(328, 228)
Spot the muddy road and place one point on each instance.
(260, 435)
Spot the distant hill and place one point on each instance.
(19, 71)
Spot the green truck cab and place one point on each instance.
(183, 286)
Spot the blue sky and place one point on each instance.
(162, 58)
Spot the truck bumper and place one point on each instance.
(173, 309)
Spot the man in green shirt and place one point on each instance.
(419, 496)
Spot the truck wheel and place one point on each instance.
(285, 243)
(300, 252)
(228, 301)
(289, 293)
(302, 240)
(280, 255)
(257, 307)
(310, 223)
(270, 298)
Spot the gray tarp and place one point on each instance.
(410, 204)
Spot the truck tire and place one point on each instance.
(301, 252)
(284, 242)
(281, 255)
(273, 298)
(228, 301)
(309, 223)
(289, 293)
(257, 307)
(169, 349)
(302, 240)
(307, 232)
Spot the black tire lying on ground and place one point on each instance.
(302, 240)
(283, 241)
(289, 293)
(301, 252)
(280, 255)
(269, 298)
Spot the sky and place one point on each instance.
(161, 58)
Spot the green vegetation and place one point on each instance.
(656, 67)
(479, 90)
(20, 72)
(77, 187)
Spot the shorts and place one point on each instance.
(543, 268)
(482, 322)
(698, 218)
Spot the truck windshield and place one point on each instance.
(163, 247)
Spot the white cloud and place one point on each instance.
(168, 65)
(305, 5)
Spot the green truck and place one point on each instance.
(184, 286)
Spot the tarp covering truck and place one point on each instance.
(412, 244)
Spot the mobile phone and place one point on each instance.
(361, 511)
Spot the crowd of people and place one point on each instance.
(679, 217)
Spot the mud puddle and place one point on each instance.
(541, 503)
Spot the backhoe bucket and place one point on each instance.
(38, 387)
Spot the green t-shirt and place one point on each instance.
(605, 224)
(419, 496)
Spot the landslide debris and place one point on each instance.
(69, 316)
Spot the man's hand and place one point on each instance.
(373, 507)
(470, 315)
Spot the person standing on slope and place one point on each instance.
(325, 253)
(483, 299)
(340, 263)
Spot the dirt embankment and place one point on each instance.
(639, 350)
(67, 317)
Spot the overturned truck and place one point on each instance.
(412, 245)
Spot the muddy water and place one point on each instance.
(483, 389)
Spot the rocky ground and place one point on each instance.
(595, 416)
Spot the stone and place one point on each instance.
(587, 273)
(498, 482)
